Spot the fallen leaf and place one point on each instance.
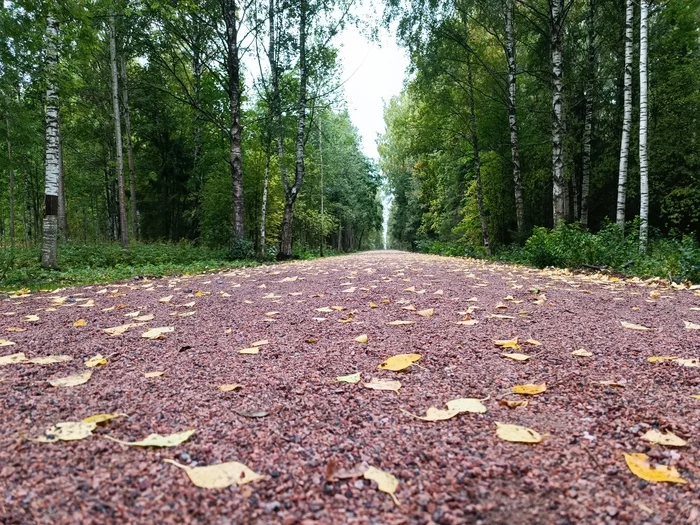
(497, 316)
(119, 330)
(144, 318)
(400, 323)
(13, 359)
(229, 387)
(512, 404)
(507, 343)
(158, 333)
(691, 326)
(690, 363)
(632, 326)
(669, 439)
(66, 431)
(409, 308)
(385, 481)
(218, 476)
(581, 352)
(201, 294)
(529, 389)
(97, 360)
(412, 289)
(156, 440)
(80, 323)
(619, 384)
(252, 413)
(250, 351)
(661, 358)
(48, 360)
(640, 467)
(517, 357)
(165, 299)
(383, 384)
(271, 314)
(15, 329)
(399, 362)
(132, 314)
(372, 305)
(102, 418)
(74, 380)
(262, 342)
(87, 304)
(534, 342)
(468, 322)
(362, 338)
(352, 378)
(517, 434)
(153, 374)
(429, 312)
(325, 310)
(30, 318)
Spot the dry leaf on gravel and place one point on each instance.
(252, 413)
(512, 404)
(102, 418)
(156, 440)
(529, 389)
(66, 431)
(5, 342)
(581, 352)
(517, 434)
(119, 330)
(351, 378)
(80, 323)
(534, 342)
(498, 316)
(153, 374)
(385, 482)
(48, 360)
(669, 439)
(428, 312)
(13, 359)
(250, 351)
(517, 357)
(165, 299)
(145, 318)
(97, 360)
(30, 318)
(690, 363)
(262, 342)
(640, 467)
(507, 343)
(622, 383)
(454, 407)
(218, 476)
(74, 380)
(362, 338)
(661, 358)
(383, 384)
(632, 326)
(158, 333)
(691, 326)
(467, 322)
(400, 323)
(325, 310)
(399, 362)
(229, 387)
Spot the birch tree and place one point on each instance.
(129, 148)
(512, 114)
(52, 163)
(589, 94)
(627, 118)
(123, 232)
(557, 15)
(643, 165)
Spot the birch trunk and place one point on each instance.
(627, 118)
(512, 115)
(557, 58)
(52, 164)
(643, 166)
(477, 158)
(124, 236)
(263, 211)
(62, 222)
(320, 158)
(588, 119)
(229, 8)
(129, 149)
(12, 182)
(292, 191)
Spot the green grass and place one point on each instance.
(99, 263)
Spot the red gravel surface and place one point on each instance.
(455, 471)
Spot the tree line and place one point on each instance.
(217, 121)
(526, 113)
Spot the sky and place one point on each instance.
(373, 73)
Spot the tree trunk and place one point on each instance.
(643, 166)
(12, 181)
(124, 237)
(229, 10)
(627, 118)
(129, 149)
(477, 158)
(557, 58)
(49, 248)
(512, 115)
(320, 157)
(263, 211)
(588, 119)
(292, 191)
(62, 220)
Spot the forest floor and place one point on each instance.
(312, 438)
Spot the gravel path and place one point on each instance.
(453, 471)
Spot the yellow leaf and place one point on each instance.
(497, 316)
(409, 308)
(385, 481)
(399, 362)
(352, 378)
(156, 440)
(271, 314)
(529, 389)
(31, 318)
(144, 318)
(218, 476)
(468, 322)
(79, 323)
(400, 323)
(165, 299)
(262, 342)
(383, 384)
(517, 357)
(102, 418)
(661, 358)
(229, 387)
(512, 404)
(581, 352)
(669, 439)
(372, 305)
(426, 313)
(466, 404)
(507, 343)
(48, 360)
(66, 431)
(119, 330)
(517, 434)
(691, 326)
(157, 333)
(325, 310)
(97, 360)
(15, 329)
(632, 326)
(640, 467)
(362, 338)
(13, 359)
(412, 289)
(534, 342)
(72, 380)
(201, 294)
(345, 320)
(153, 374)
(250, 351)
(695, 396)
(690, 363)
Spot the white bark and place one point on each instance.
(588, 120)
(52, 161)
(129, 150)
(124, 237)
(512, 115)
(557, 58)
(643, 166)
(263, 211)
(627, 118)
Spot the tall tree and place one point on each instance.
(129, 148)
(52, 164)
(512, 114)
(643, 165)
(627, 118)
(589, 94)
(11, 171)
(557, 16)
(123, 232)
